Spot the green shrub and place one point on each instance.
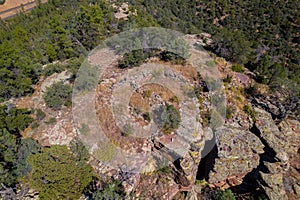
(172, 57)
(14, 119)
(205, 119)
(127, 130)
(34, 125)
(2, 2)
(229, 112)
(58, 95)
(249, 111)
(210, 63)
(165, 170)
(251, 90)
(8, 149)
(26, 148)
(174, 99)
(106, 152)
(40, 115)
(56, 174)
(239, 98)
(216, 119)
(225, 195)
(80, 151)
(12, 122)
(84, 129)
(167, 117)
(113, 190)
(228, 79)
(237, 68)
(133, 58)
(202, 182)
(53, 68)
(173, 119)
(74, 65)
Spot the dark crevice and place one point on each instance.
(253, 180)
(208, 161)
(269, 154)
(278, 116)
(177, 165)
(180, 177)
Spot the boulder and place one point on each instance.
(274, 186)
(272, 106)
(238, 154)
(280, 180)
(266, 128)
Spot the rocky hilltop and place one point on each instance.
(257, 148)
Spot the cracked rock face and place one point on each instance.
(291, 179)
(238, 153)
(272, 106)
(271, 134)
(274, 187)
(190, 164)
(274, 148)
(282, 179)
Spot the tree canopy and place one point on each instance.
(56, 175)
(263, 35)
(58, 95)
(56, 30)
(13, 149)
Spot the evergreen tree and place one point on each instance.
(56, 175)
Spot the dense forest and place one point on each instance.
(57, 30)
(265, 40)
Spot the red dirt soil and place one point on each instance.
(13, 7)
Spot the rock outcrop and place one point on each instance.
(274, 187)
(291, 180)
(268, 152)
(273, 107)
(238, 153)
(269, 132)
(280, 180)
